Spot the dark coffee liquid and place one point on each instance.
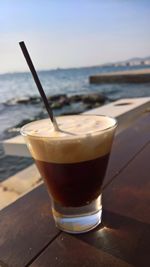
(74, 184)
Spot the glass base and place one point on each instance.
(78, 220)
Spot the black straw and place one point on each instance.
(38, 83)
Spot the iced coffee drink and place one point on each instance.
(73, 163)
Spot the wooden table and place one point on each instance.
(28, 236)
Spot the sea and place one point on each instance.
(17, 87)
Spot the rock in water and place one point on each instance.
(56, 97)
(75, 98)
(94, 98)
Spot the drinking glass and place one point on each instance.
(73, 165)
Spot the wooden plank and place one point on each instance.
(126, 145)
(26, 228)
(22, 181)
(66, 251)
(16, 185)
(143, 249)
(122, 237)
(129, 192)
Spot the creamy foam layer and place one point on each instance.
(82, 137)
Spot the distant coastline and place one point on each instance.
(133, 62)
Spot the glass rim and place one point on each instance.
(25, 133)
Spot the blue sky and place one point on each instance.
(69, 33)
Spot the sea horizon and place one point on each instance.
(107, 64)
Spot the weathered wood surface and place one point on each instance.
(26, 227)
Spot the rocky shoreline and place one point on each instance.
(60, 100)
(62, 104)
